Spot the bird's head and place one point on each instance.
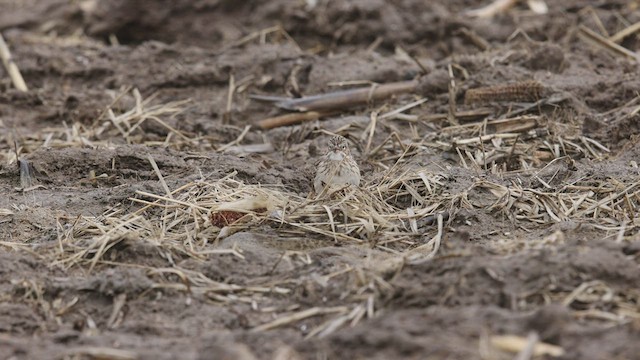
(339, 144)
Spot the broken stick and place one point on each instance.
(290, 119)
(345, 98)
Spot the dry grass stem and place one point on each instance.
(12, 68)
(628, 31)
(605, 43)
(285, 320)
(96, 352)
(111, 126)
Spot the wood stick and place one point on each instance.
(11, 66)
(347, 98)
(290, 119)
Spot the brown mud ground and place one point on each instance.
(540, 233)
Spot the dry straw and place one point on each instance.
(400, 215)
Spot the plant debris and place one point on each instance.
(157, 197)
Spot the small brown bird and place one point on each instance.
(337, 168)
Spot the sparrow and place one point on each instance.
(337, 168)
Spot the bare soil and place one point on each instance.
(506, 265)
